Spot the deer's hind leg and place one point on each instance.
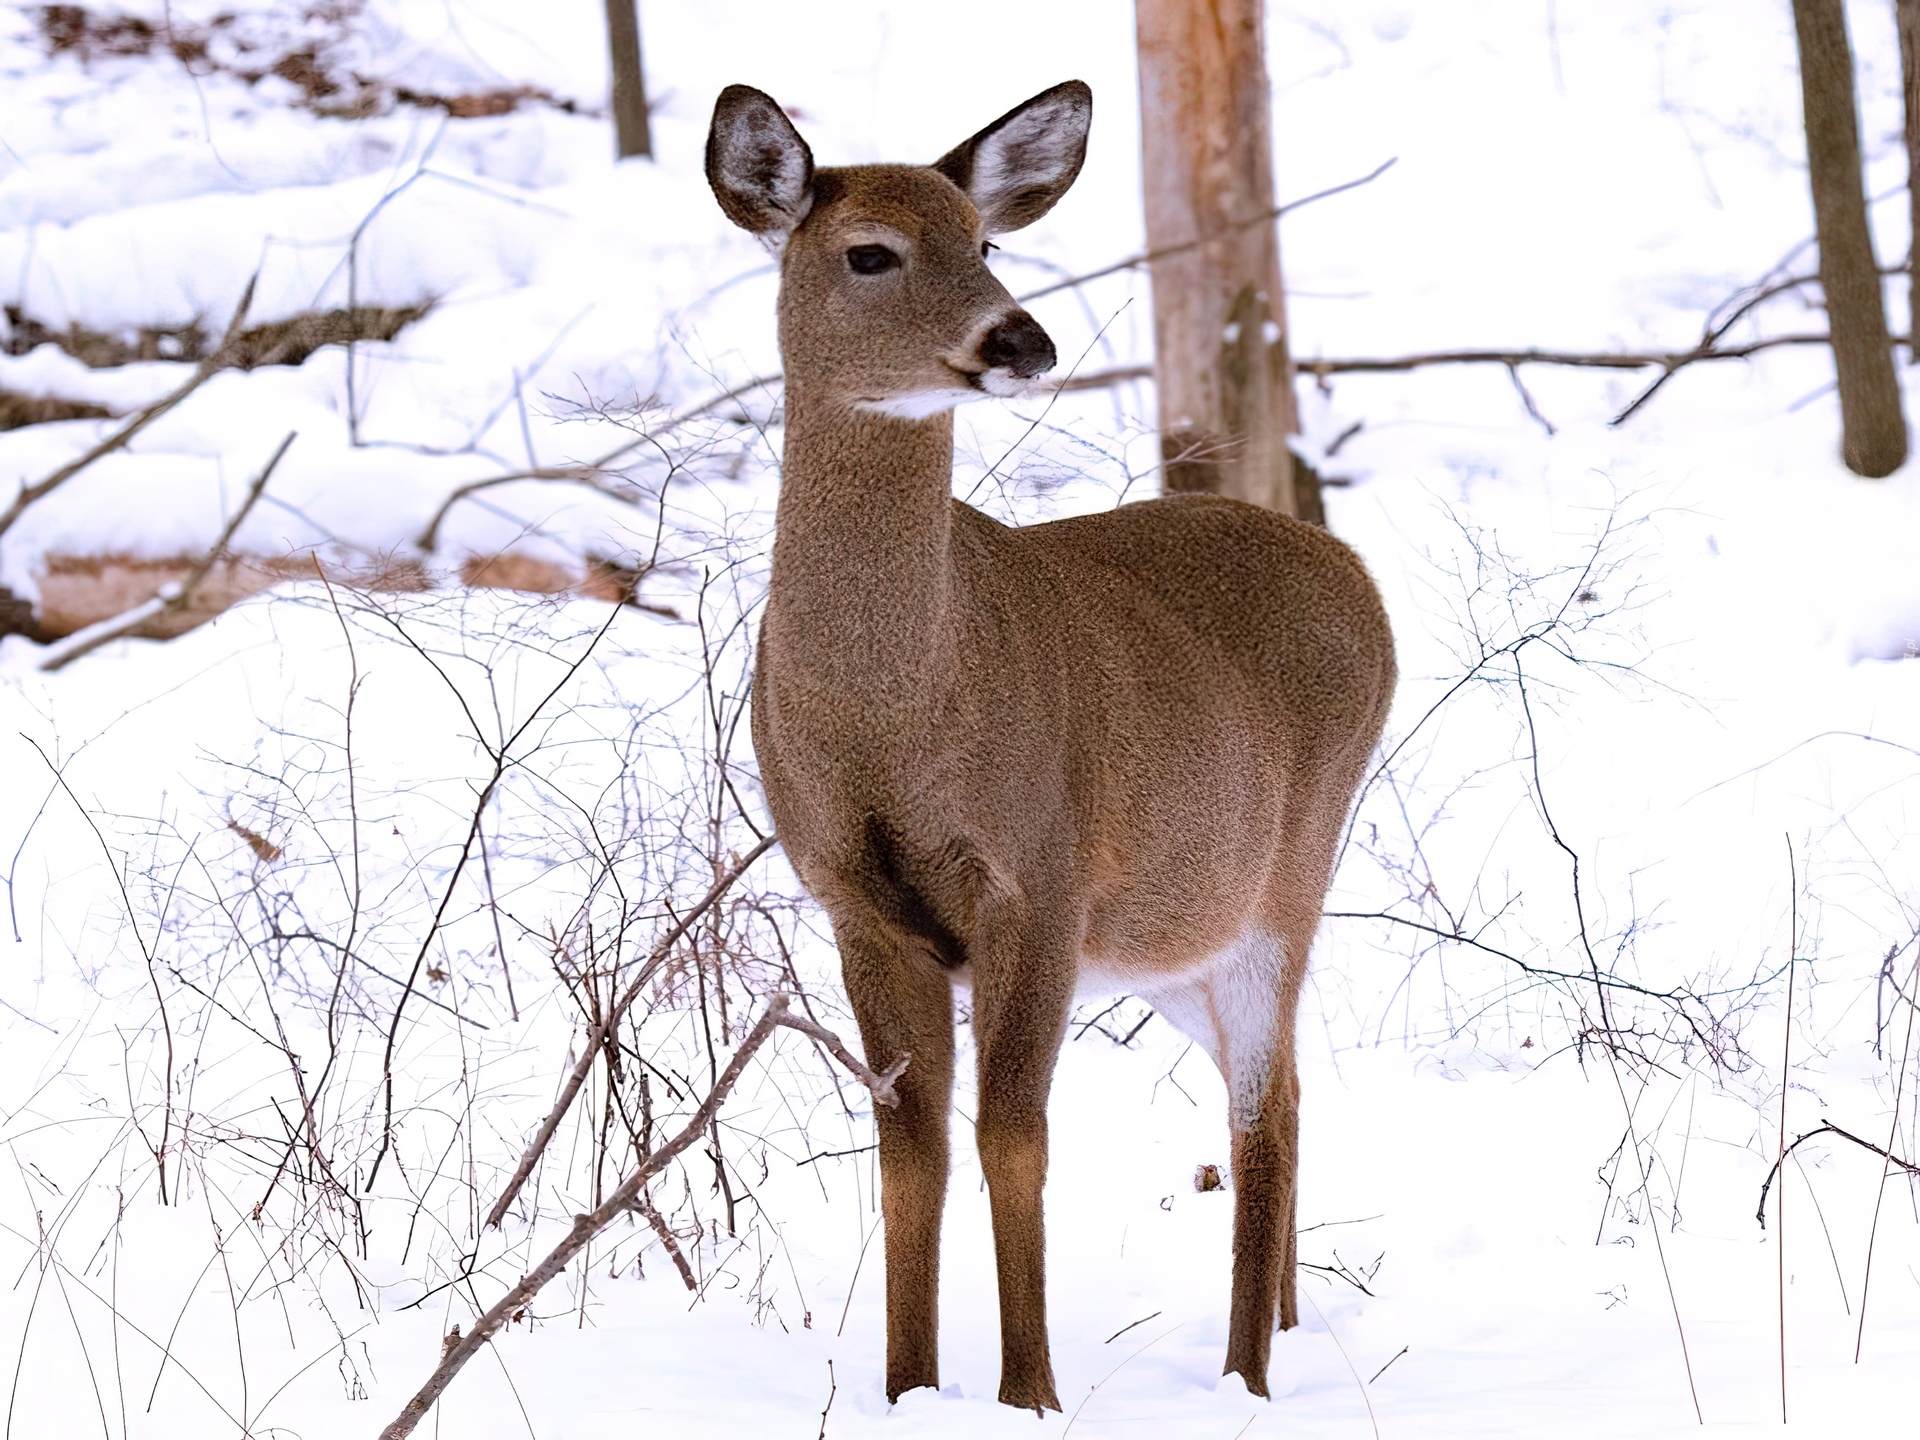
(1265, 1128)
(1264, 1115)
(903, 999)
(1240, 1006)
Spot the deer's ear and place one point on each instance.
(1016, 168)
(760, 169)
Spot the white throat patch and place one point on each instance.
(920, 404)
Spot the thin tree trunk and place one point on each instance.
(1907, 17)
(634, 135)
(1873, 432)
(1221, 363)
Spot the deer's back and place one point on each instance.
(1268, 611)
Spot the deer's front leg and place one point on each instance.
(1022, 990)
(903, 1001)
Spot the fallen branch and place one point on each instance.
(173, 597)
(202, 373)
(596, 1038)
(1824, 1128)
(1668, 360)
(461, 1348)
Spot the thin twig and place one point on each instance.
(1786, 1074)
(833, 1389)
(1147, 257)
(589, 474)
(591, 1050)
(1893, 1133)
(203, 372)
(1713, 330)
(1124, 1328)
(502, 758)
(1825, 1127)
(173, 598)
(461, 1348)
(1611, 1047)
(1383, 1369)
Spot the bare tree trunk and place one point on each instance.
(1219, 314)
(630, 125)
(1907, 17)
(1873, 432)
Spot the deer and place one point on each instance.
(1110, 752)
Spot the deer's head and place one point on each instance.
(886, 302)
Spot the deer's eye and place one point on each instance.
(871, 259)
(985, 246)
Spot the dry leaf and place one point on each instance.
(262, 847)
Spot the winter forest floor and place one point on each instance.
(303, 910)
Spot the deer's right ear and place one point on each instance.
(760, 169)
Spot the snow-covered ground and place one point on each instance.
(1718, 712)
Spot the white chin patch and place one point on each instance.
(1002, 382)
(919, 405)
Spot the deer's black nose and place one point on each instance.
(1018, 344)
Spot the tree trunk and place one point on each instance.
(1873, 432)
(1221, 361)
(631, 130)
(1907, 17)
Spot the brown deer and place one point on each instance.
(1113, 751)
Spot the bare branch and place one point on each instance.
(1826, 1127)
(1147, 257)
(881, 1085)
(172, 597)
(591, 472)
(202, 373)
(591, 1050)
(462, 1348)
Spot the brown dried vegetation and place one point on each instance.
(284, 342)
(81, 590)
(327, 86)
(17, 410)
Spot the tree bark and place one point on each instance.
(632, 132)
(1221, 365)
(1907, 17)
(1873, 432)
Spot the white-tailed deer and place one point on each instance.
(1110, 751)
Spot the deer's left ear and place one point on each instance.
(1020, 165)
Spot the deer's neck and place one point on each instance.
(861, 589)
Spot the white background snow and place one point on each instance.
(1732, 751)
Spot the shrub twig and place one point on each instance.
(461, 1348)
(203, 372)
(591, 1050)
(1825, 1127)
(172, 598)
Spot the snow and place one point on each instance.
(1725, 734)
